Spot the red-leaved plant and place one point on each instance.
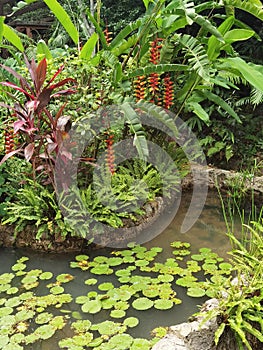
(40, 133)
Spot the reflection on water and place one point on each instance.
(208, 231)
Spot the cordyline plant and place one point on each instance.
(40, 132)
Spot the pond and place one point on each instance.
(208, 231)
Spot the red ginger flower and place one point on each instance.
(168, 92)
(9, 140)
(110, 155)
(139, 88)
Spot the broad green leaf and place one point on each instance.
(99, 30)
(251, 72)
(2, 18)
(220, 102)
(199, 111)
(64, 19)
(125, 32)
(140, 141)
(238, 35)
(11, 36)
(42, 49)
(89, 47)
(146, 3)
(214, 45)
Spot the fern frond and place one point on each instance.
(254, 7)
(196, 55)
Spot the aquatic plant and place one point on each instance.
(125, 280)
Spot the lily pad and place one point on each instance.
(102, 269)
(6, 310)
(196, 292)
(82, 257)
(45, 332)
(105, 286)
(131, 322)
(163, 304)
(142, 303)
(44, 317)
(81, 326)
(166, 278)
(57, 290)
(13, 302)
(140, 344)
(115, 261)
(91, 281)
(46, 275)
(108, 328)
(117, 313)
(121, 342)
(64, 278)
(91, 306)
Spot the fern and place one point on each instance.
(254, 7)
(196, 55)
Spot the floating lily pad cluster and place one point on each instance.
(20, 306)
(110, 336)
(127, 279)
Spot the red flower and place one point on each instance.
(168, 92)
(139, 88)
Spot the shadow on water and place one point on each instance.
(208, 231)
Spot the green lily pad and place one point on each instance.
(117, 313)
(91, 306)
(123, 273)
(64, 278)
(142, 303)
(196, 292)
(120, 342)
(121, 305)
(12, 290)
(44, 317)
(6, 278)
(82, 299)
(28, 279)
(45, 332)
(197, 257)
(4, 340)
(151, 291)
(46, 275)
(13, 346)
(163, 304)
(13, 302)
(57, 290)
(131, 322)
(105, 286)
(108, 328)
(128, 259)
(225, 266)
(107, 304)
(18, 267)
(141, 263)
(6, 310)
(140, 344)
(95, 342)
(91, 281)
(115, 261)
(81, 257)
(165, 278)
(102, 269)
(186, 281)
(81, 326)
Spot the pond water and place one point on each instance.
(208, 231)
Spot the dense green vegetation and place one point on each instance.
(100, 75)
